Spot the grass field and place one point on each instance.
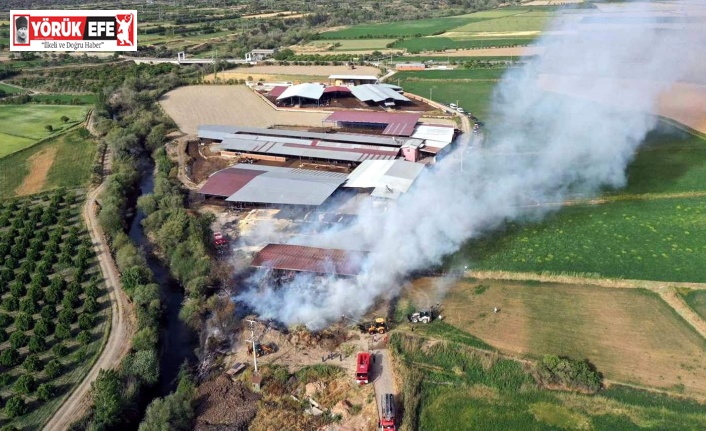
(66, 99)
(451, 58)
(22, 125)
(11, 89)
(519, 22)
(631, 335)
(69, 165)
(397, 29)
(462, 389)
(696, 299)
(420, 44)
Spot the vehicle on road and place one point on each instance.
(387, 419)
(362, 368)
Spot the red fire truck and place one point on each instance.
(362, 368)
(387, 419)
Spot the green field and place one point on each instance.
(420, 44)
(457, 59)
(11, 89)
(65, 99)
(353, 44)
(71, 166)
(397, 29)
(453, 74)
(461, 389)
(519, 22)
(22, 125)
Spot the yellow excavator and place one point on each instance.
(378, 326)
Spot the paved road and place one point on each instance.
(384, 381)
(121, 329)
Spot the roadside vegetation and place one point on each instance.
(55, 311)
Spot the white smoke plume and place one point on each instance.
(539, 147)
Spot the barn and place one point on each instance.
(287, 258)
(392, 124)
(379, 95)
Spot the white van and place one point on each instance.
(460, 110)
(452, 105)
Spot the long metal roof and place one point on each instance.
(228, 181)
(376, 93)
(310, 259)
(307, 91)
(308, 148)
(434, 136)
(287, 186)
(388, 178)
(241, 132)
(215, 131)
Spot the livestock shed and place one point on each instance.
(393, 124)
(374, 94)
(435, 137)
(410, 66)
(302, 93)
(297, 258)
(388, 179)
(353, 79)
(246, 185)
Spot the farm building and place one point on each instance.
(245, 185)
(391, 124)
(301, 94)
(435, 137)
(296, 258)
(376, 94)
(349, 80)
(388, 179)
(259, 54)
(410, 66)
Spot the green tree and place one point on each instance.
(107, 398)
(62, 332)
(48, 312)
(9, 358)
(3, 335)
(43, 327)
(144, 365)
(86, 321)
(67, 316)
(53, 368)
(24, 322)
(90, 305)
(46, 392)
(15, 407)
(155, 139)
(84, 337)
(145, 339)
(49, 128)
(25, 384)
(64, 119)
(33, 364)
(37, 344)
(173, 412)
(18, 339)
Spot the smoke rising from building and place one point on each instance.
(540, 147)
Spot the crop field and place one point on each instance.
(462, 389)
(23, 125)
(351, 44)
(630, 335)
(530, 21)
(398, 29)
(54, 307)
(441, 43)
(455, 74)
(62, 161)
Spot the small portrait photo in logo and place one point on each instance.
(125, 31)
(21, 30)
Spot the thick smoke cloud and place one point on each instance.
(540, 147)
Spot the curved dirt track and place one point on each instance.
(121, 327)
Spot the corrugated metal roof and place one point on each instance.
(215, 131)
(337, 89)
(310, 148)
(331, 137)
(310, 259)
(278, 90)
(228, 181)
(376, 93)
(399, 129)
(288, 186)
(410, 65)
(307, 91)
(435, 136)
(354, 77)
(389, 178)
(372, 117)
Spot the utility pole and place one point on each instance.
(252, 340)
(430, 93)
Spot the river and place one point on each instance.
(177, 340)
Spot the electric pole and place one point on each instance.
(252, 340)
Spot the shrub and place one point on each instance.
(15, 407)
(45, 392)
(9, 358)
(90, 305)
(18, 339)
(84, 337)
(24, 322)
(48, 312)
(25, 385)
(53, 368)
(86, 321)
(5, 320)
(28, 306)
(43, 327)
(3, 335)
(33, 364)
(17, 289)
(63, 331)
(11, 303)
(37, 344)
(568, 373)
(67, 316)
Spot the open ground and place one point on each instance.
(631, 335)
(234, 105)
(301, 73)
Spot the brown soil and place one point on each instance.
(39, 165)
(200, 167)
(224, 404)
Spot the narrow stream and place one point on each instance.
(177, 341)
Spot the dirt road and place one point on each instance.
(384, 382)
(121, 325)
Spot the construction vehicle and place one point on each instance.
(387, 410)
(362, 368)
(425, 316)
(261, 349)
(379, 326)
